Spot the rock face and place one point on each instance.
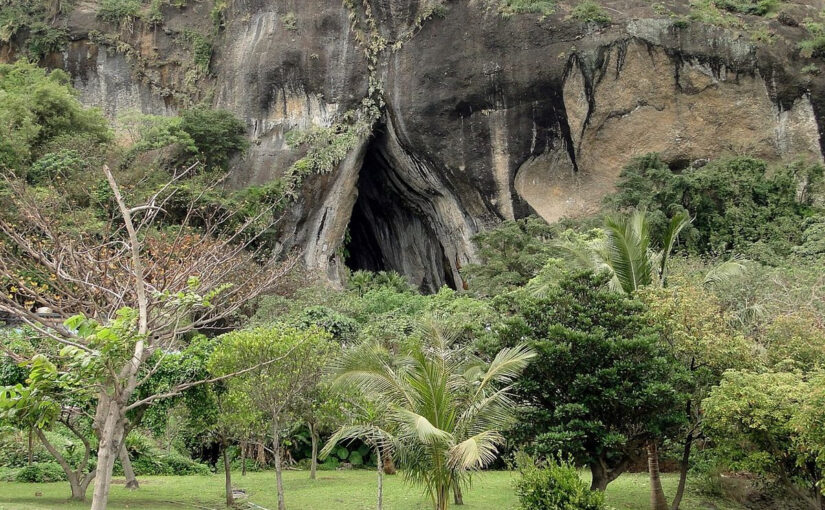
(484, 118)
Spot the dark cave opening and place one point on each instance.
(392, 223)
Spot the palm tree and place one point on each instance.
(445, 407)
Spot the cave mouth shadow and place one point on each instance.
(391, 226)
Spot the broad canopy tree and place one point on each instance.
(601, 385)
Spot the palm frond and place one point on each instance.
(725, 272)
(506, 366)
(414, 425)
(677, 223)
(627, 244)
(475, 452)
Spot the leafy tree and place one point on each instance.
(602, 384)
(763, 423)
(509, 254)
(696, 331)
(446, 408)
(56, 391)
(217, 134)
(279, 366)
(37, 106)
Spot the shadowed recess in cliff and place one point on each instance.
(389, 230)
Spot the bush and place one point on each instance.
(172, 463)
(509, 7)
(63, 164)
(217, 134)
(590, 12)
(757, 8)
(41, 472)
(115, 11)
(554, 485)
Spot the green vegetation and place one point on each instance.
(682, 324)
(119, 11)
(738, 205)
(508, 8)
(590, 11)
(35, 18)
(554, 484)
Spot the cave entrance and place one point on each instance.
(391, 227)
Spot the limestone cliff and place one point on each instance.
(483, 117)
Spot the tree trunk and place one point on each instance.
(111, 434)
(683, 471)
(78, 486)
(276, 446)
(599, 476)
(227, 470)
(380, 466)
(128, 472)
(657, 494)
(458, 497)
(314, 466)
(389, 464)
(31, 434)
(443, 497)
(243, 458)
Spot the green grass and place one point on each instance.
(342, 490)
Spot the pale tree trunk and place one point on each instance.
(227, 469)
(657, 494)
(31, 438)
(128, 471)
(683, 471)
(380, 467)
(78, 482)
(458, 497)
(243, 458)
(314, 465)
(111, 434)
(276, 446)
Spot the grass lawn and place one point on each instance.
(339, 490)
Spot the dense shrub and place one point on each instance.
(171, 463)
(758, 7)
(217, 134)
(554, 485)
(590, 12)
(37, 107)
(116, 11)
(738, 204)
(41, 472)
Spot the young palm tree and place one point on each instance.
(446, 407)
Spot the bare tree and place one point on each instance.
(176, 280)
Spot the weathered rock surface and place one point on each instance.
(484, 118)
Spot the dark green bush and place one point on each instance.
(64, 164)
(172, 463)
(41, 472)
(217, 134)
(757, 8)
(554, 485)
